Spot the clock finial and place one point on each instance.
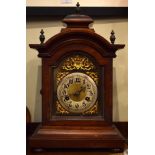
(112, 37)
(42, 36)
(77, 7)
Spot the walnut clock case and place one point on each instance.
(77, 88)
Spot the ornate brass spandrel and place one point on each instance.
(92, 110)
(94, 76)
(78, 63)
(60, 75)
(60, 109)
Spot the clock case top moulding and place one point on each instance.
(52, 133)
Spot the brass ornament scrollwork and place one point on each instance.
(94, 76)
(78, 62)
(92, 110)
(60, 76)
(60, 109)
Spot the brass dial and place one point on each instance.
(77, 92)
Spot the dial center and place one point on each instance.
(77, 92)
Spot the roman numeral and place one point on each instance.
(70, 81)
(64, 92)
(77, 80)
(88, 86)
(84, 81)
(66, 85)
(84, 104)
(91, 93)
(77, 106)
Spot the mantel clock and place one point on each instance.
(77, 88)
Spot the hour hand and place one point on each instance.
(82, 89)
(77, 93)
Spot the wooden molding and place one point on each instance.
(122, 127)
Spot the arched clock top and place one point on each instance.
(85, 36)
(77, 30)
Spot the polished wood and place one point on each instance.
(71, 152)
(77, 137)
(121, 126)
(31, 127)
(75, 132)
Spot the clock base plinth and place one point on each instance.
(87, 137)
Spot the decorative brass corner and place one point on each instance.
(60, 109)
(78, 62)
(92, 110)
(60, 75)
(94, 76)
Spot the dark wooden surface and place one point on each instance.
(122, 127)
(72, 152)
(30, 128)
(104, 12)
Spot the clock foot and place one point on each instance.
(117, 150)
(37, 150)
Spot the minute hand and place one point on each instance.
(82, 89)
(77, 93)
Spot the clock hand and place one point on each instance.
(74, 94)
(77, 93)
(83, 89)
